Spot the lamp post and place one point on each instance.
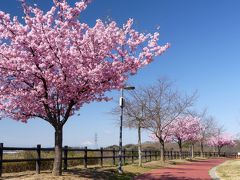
(121, 104)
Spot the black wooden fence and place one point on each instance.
(147, 155)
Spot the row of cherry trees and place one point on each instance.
(169, 116)
(191, 129)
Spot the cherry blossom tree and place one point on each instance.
(162, 137)
(194, 137)
(51, 63)
(220, 139)
(185, 129)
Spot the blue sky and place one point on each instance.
(204, 56)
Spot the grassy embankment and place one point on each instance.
(230, 170)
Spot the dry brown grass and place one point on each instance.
(230, 170)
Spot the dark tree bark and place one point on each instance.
(201, 146)
(180, 148)
(57, 165)
(162, 149)
(219, 150)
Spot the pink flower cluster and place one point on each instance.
(221, 140)
(53, 60)
(186, 128)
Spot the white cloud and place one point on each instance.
(87, 143)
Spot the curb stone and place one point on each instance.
(213, 174)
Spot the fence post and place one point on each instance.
(1, 158)
(132, 156)
(124, 156)
(155, 155)
(101, 158)
(85, 157)
(65, 153)
(114, 161)
(38, 160)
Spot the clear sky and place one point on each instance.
(204, 55)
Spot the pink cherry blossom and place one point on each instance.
(185, 129)
(53, 60)
(219, 140)
(51, 63)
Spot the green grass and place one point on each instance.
(230, 170)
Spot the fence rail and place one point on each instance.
(148, 155)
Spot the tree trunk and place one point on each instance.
(201, 145)
(57, 164)
(219, 151)
(180, 148)
(162, 150)
(192, 150)
(139, 147)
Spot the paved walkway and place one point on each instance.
(197, 170)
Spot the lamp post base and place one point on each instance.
(120, 171)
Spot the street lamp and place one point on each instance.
(122, 104)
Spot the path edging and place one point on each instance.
(213, 174)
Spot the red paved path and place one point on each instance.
(191, 171)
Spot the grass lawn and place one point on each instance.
(78, 172)
(230, 170)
